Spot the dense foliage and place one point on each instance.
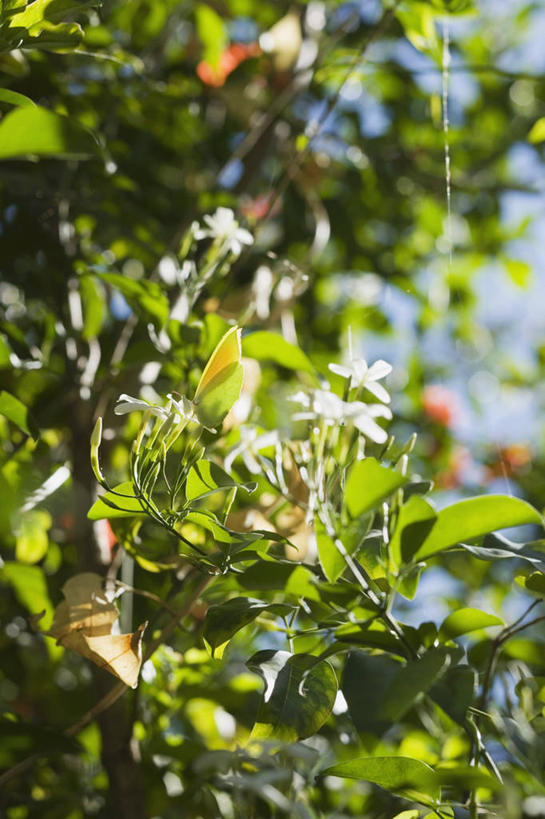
(217, 220)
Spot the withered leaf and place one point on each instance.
(84, 622)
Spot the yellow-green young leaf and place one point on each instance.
(14, 98)
(474, 517)
(221, 382)
(121, 502)
(298, 698)
(537, 131)
(265, 346)
(465, 620)
(31, 540)
(212, 33)
(518, 271)
(393, 773)
(33, 131)
(17, 413)
(368, 484)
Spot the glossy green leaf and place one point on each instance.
(393, 773)
(266, 346)
(415, 521)
(466, 620)
(31, 538)
(15, 98)
(298, 698)
(379, 690)
(205, 478)
(368, 484)
(18, 414)
(119, 503)
(145, 297)
(33, 131)
(225, 619)
(472, 518)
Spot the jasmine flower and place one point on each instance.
(224, 228)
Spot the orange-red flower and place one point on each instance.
(228, 60)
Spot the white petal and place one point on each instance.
(378, 391)
(379, 411)
(371, 430)
(380, 369)
(338, 369)
(244, 236)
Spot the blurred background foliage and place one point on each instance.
(322, 125)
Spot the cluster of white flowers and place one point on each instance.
(324, 405)
(224, 228)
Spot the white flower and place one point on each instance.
(126, 404)
(182, 408)
(361, 375)
(224, 227)
(328, 407)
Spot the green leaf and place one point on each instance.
(465, 777)
(212, 33)
(14, 98)
(331, 559)
(368, 484)
(465, 620)
(33, 131)
(418, 23)
(455, 691)
(266, 346)
(474, 517)
(17, 413)
(206, 477)
(111, 505)
(393, 773)
(31, 541)
(518, 271)
(145, 297)
(30, 587)
(298, 698)
(415, 521)
(94, 306)
(225, 619)
(379, 691)
(537, 131)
